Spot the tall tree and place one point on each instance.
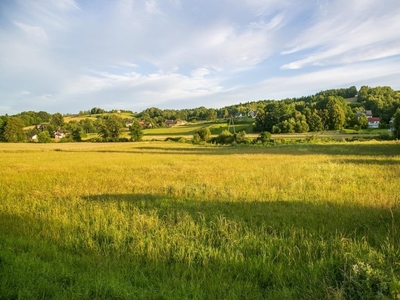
(336, 113)
(136, 131)
(13, 131)
(57, 120)
(110, 127)
(3, 122)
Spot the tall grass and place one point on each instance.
(175, 221)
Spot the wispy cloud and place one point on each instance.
(365, 30)
(74, 54)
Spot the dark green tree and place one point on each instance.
(315, 122)
(136, 131)
(396, 124)
(3, 122)
(44, 137)
(14, 131)
(211, 114)
(110, 127)
(87, 125)
(57, 120)
(336, 113)
(76, 134)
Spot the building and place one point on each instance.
(373, 122)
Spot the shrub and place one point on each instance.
(365, 282)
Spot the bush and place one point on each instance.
(44, 137)
(386, 137)
(364, 282)
(263, 138)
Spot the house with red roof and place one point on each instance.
(373, 122)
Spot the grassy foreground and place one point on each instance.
(175, 221)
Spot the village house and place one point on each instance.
(145, 124)
(373, 122)
(367, 113)
(59, 134)
(128, 123)
(40, 127)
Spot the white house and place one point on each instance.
(373, 122)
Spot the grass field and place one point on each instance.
(157, 220)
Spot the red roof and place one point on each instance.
(374, 119)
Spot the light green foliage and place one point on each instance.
(44, 137)
(204, 133)
(196, 139)
(363, 121)
(141, 220)
(264, 137)
(211, 114)
(13, 130)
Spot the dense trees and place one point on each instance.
(13, 130)
(33, 118)
(326, 110)
(396, 124)
(110, 127)
(97, 110)
(57, 120)
(383, 101)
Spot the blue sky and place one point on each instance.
(71, 55)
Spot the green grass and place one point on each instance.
(191, 129)
(176, 221)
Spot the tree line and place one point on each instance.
(326, 110)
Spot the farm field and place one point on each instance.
(158, 220)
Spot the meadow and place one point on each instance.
(158, 220)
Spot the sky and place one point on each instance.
(72, 55)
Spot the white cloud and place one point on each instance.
(199, 72)
(35, 33)
(75, 53)
(365, 30)
(152, 7)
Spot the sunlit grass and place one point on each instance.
(175, 221)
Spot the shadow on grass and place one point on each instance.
(37, 266)
(356, 149)
(325, 219)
